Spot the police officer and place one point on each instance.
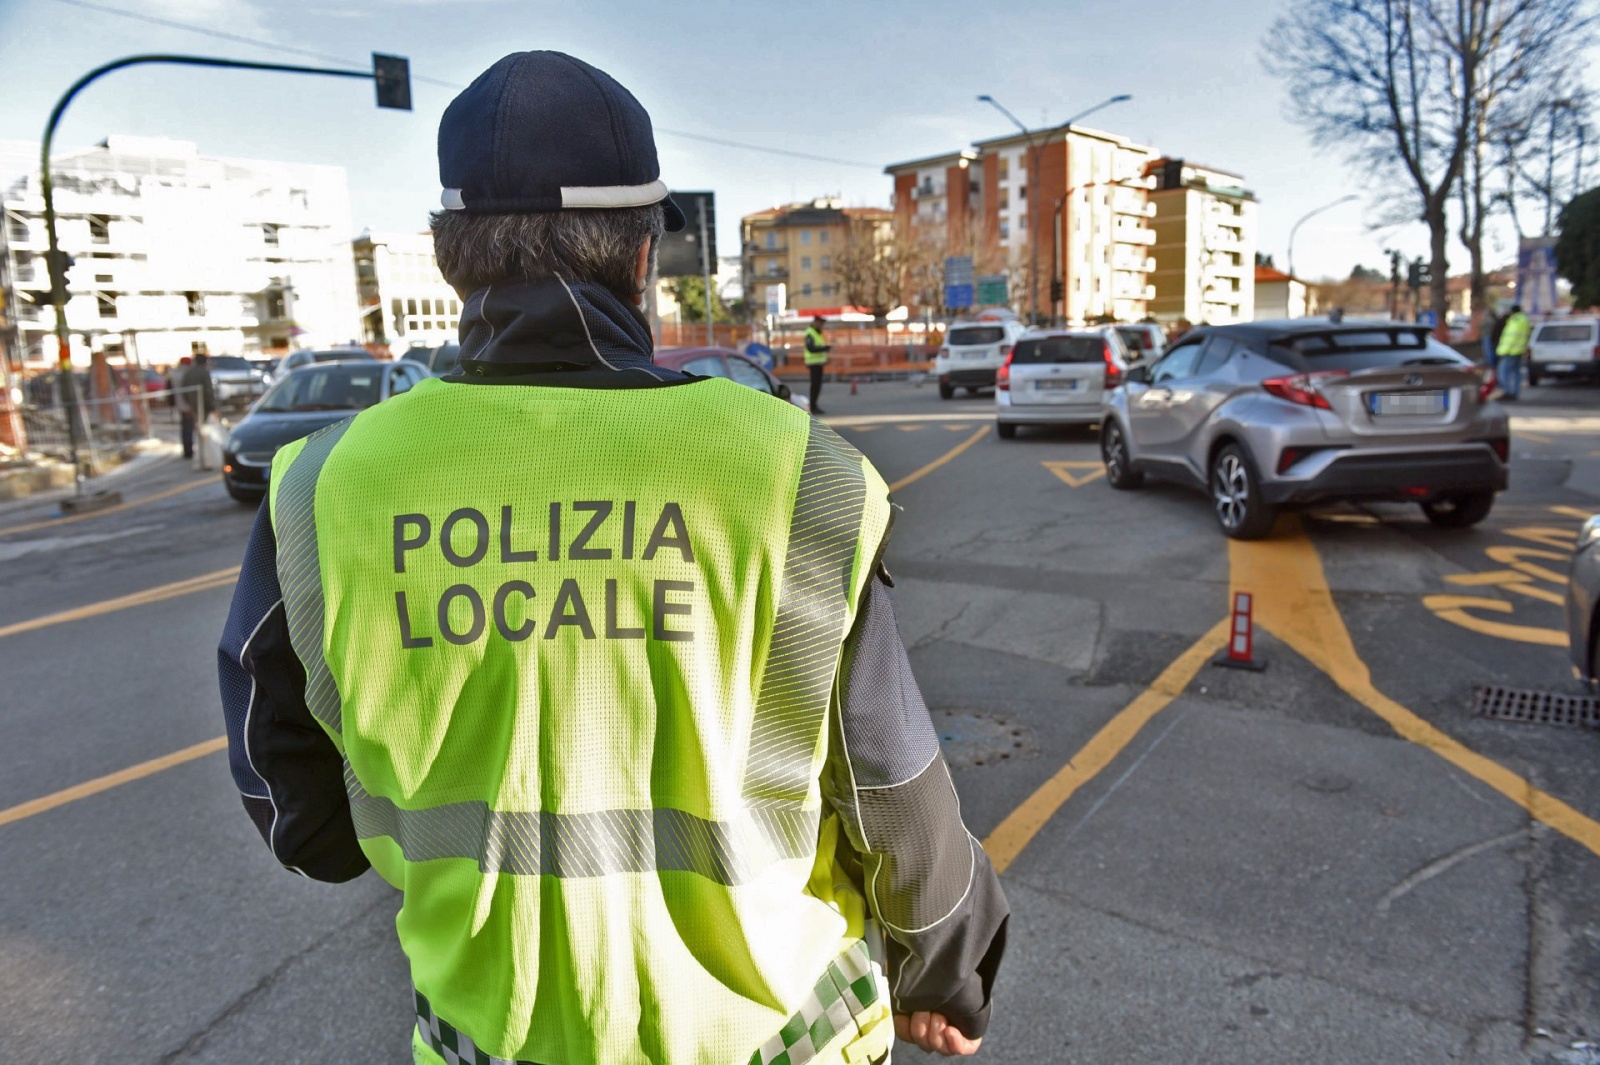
(1510, 350)
(816, 358)
(596, 661)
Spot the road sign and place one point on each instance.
(957, 296)
(777, 298)
(992, 288)
(958, 270)
(1536, 274)
(1427, 318)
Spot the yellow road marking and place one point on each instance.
(52, 522)
(1548, 535)
(1022, 824)
(110, 780)
(957, 428)
(1294, 603)
(917, 475)
(1574, 512)
(910, 428)
(219, 579)
(1536, 437)
(851, 421)
(1453, 608)
(1508, 579)
(1086, 472)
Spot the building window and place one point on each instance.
(772, 240)
(17, 230)
(99, 229)
(1022, 194)
(805, 262)
(827, 262)
(103, 279)
(106, 304)
(772, 268)
(822, 236)
(299, 198)
(277, 306)
(269, 233)
(427, 307)
(1005, 230)
(805, 236)
(197, 304)
(805, 289)
(24, 265)
(411, 307)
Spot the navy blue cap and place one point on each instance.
(542, 131)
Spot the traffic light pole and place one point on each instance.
(392, 75)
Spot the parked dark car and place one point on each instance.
(306, 356)
(300, 403)
(725, 362)
(446, 358)
(1273, 414)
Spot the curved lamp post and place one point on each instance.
(1033, 183)
(1310, 215)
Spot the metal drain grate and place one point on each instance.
(1535, 707)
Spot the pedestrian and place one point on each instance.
(596, 661)
(1509, 351)
(816, 358)
(1489, 330)
(196, 399)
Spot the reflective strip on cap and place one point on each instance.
(612, 195)
(451, 198)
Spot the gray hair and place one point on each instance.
(600, 245)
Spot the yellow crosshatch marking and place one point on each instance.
(1076, 474)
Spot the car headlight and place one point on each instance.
(234, 445)
(1589, 535)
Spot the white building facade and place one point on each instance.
(405, 301)
(1205, 251)
(176, 252)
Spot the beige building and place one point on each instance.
(795, 246)
(1205, 249)
(1280, 296)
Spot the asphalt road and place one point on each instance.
(1334, 860)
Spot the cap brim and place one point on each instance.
(676, 223)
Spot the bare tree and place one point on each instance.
(1416, 88)
(869, 266)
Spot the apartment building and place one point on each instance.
(796, 245)
(1205, 248)
(1086, 222)
(405, 302)
(176, 252)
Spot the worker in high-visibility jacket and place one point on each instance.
(816, 356)
(596, 661)
(1511, 350)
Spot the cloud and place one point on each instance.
(233, 16)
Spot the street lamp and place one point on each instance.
(1033, 183)
(1309, 215)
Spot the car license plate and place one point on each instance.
(1560, 367)
(1058, 384)
(974, 356)
(1400, 403)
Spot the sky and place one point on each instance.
(864, 84)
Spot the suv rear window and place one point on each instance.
(1566, 334)
(1060, 349)
(978, 334)
(1364, 349)
(1137, 339)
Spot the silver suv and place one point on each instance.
(1282, 413)
(1058, 378)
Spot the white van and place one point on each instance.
(974, 351)
(1564, 347)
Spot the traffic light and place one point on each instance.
(392, 73)
(1057, 290)
(58, 263)
(1418, 274)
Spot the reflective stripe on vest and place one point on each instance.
(604, 674)
(815, 358)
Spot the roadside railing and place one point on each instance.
(107, 424)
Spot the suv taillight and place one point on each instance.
(1002, 376)
(1303, 388)
(1113, 372)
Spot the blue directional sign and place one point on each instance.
(958, 270)
(956, 296)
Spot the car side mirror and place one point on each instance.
(1138, 374)
(784, 391)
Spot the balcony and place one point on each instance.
(1134, 208)
(925, 192)
(1133, 235)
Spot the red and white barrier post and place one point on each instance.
(1241, 637)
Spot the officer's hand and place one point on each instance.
(933, 1033)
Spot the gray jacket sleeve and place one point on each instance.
(927, 880)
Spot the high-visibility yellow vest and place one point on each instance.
(815, 358)
(1515, 336)
(577, 648)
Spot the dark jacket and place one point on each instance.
(197, 395)
(929, 883)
